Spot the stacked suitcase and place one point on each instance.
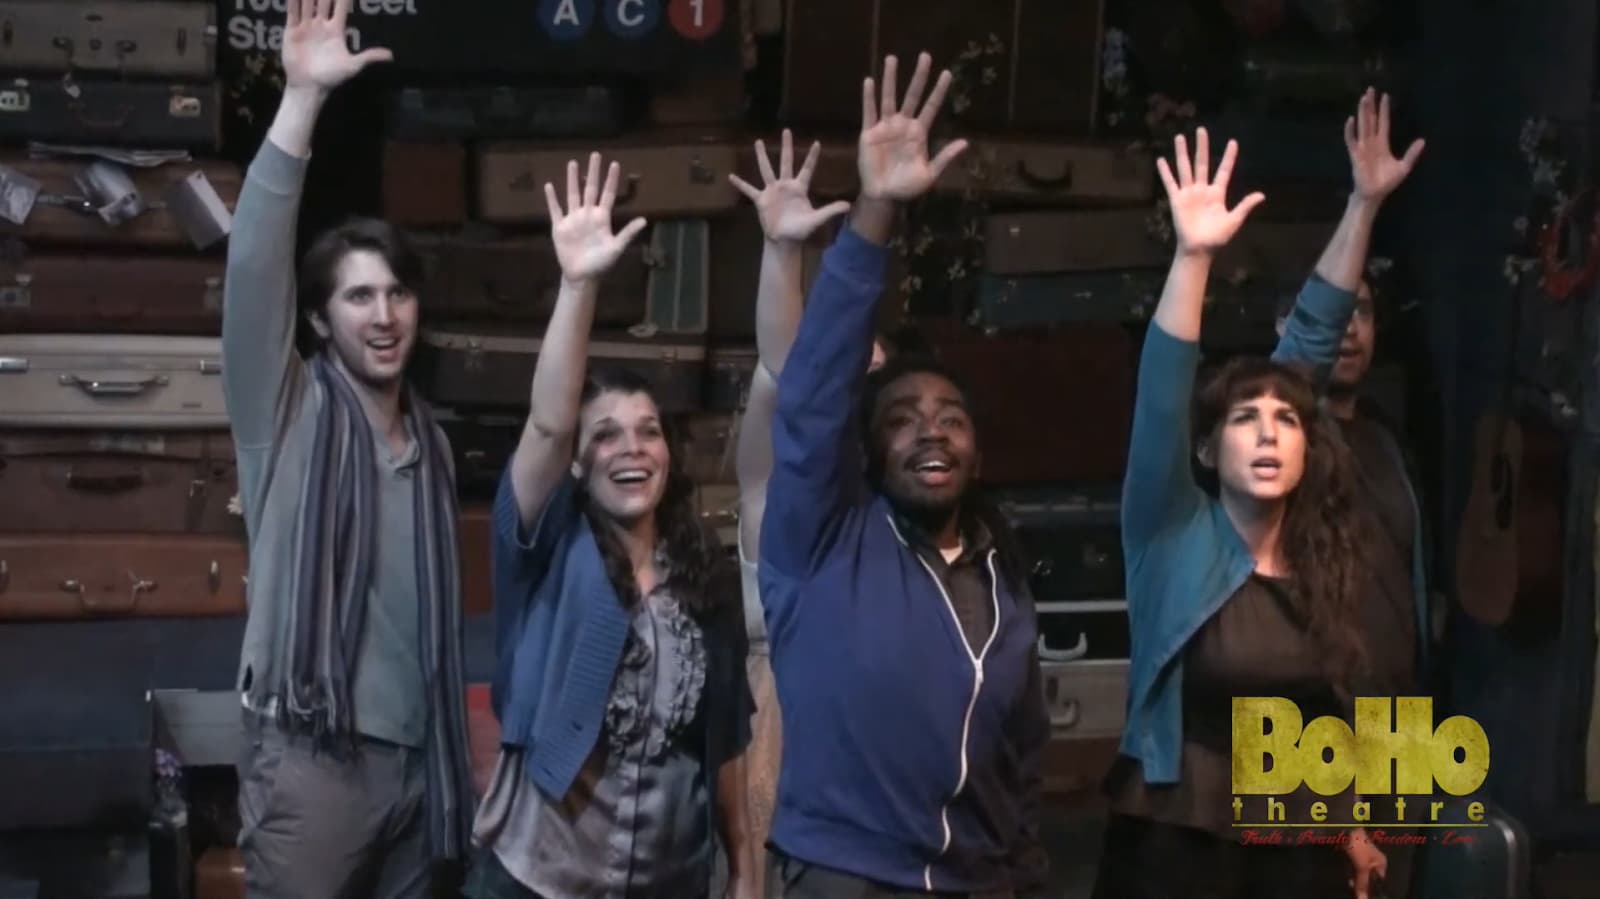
(116, 468)
(113, 434)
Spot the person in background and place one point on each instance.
(1397, 623)
(788, 220)
(903, 638)
(620, 684)
(354, 772)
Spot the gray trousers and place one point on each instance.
(315, 824)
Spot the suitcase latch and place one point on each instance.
(13, 365)
(183, 106)
(15, 99)
(17, 295)
(210, 367)
(212, 300)
(474, 360)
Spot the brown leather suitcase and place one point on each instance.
(515, 280)
(424, 184)
(492, 367)
(68, 576)
(662, 176)
(1029, 171)
(707, 99)
(178, 482)
(1272, 255)
(1078, 240)
(482, 444)
(111, 294)
(59, 216)
(1025, 65)
(160, 38)
(1082, 377)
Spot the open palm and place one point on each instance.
(314, 49)
(1374, 169)
(893, 148)
(1200, 213)
(784, 208)
(585, 246)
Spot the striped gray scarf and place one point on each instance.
(333, 570)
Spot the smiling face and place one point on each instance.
(923, 434)
(370, 320)
(623, 454)
(1258, 449)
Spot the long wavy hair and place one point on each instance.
(1322, 523)
(692, 552)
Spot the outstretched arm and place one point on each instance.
(787, 220)
(1158, 487)
(261, 373)
(586, 249)
(816, 470)
(1322, 312)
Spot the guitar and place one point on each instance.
(1510, 548)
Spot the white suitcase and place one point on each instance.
(111, 381)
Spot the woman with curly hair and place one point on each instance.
(1245, 578)
(620, 685)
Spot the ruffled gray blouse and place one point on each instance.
(634, 823)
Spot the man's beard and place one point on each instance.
(928, 514)
(1342, 390)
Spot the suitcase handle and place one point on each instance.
(94, 604)
(1078, 651)
(120, 482)
(110, 123)
(1062, 181)
(96, 387)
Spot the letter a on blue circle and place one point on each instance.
(632, 19)
(566, 20)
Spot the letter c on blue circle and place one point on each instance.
(632, 19)
(566, 20)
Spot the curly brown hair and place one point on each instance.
(1322, 524)
(694, 553)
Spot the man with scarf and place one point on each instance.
(353, 772)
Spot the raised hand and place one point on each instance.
(785, 210)
(314, 50)
(1373, 167)
(894, 160)
(1200, 213)
(585, 246)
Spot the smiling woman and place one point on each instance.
(620, 685)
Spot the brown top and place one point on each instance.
(1255, 645)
